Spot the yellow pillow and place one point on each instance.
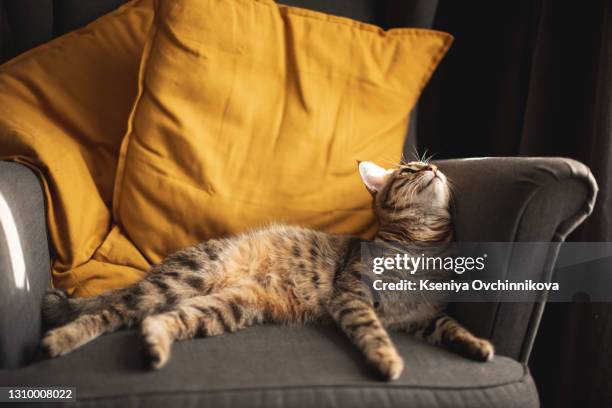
(64, 110)
(250, 113)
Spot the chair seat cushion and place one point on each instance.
(275, 366)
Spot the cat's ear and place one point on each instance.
(374, 177)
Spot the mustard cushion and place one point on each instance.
(250, 113)
(64, 110)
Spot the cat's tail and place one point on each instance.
(58, 309)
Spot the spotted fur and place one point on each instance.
(282, 274)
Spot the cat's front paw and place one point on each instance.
(482, 350)
(58, 342)
(474, 348)
(389, 364)
(157, 341)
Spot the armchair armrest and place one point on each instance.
(24, 263)
(516, 199)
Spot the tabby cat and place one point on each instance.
(282, 274)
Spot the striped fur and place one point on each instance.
(281, 274)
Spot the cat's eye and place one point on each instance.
(407, 170)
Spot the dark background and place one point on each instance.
(523, 78)
(534, 78)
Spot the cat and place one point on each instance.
(283, 274)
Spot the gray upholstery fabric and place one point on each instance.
(503, 188)
(273, 366)
(24, 263)
(522, 200)
(498, 199)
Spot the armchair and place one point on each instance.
(497, 199)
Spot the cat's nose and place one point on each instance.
(431, 167)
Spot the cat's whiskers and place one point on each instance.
(423, 157)
(428, 159)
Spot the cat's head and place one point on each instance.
(411, 202)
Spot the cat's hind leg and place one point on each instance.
(77, 321)
(83, 329)
(445, 331)
(227, 310)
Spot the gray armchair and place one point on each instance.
(496, 199)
